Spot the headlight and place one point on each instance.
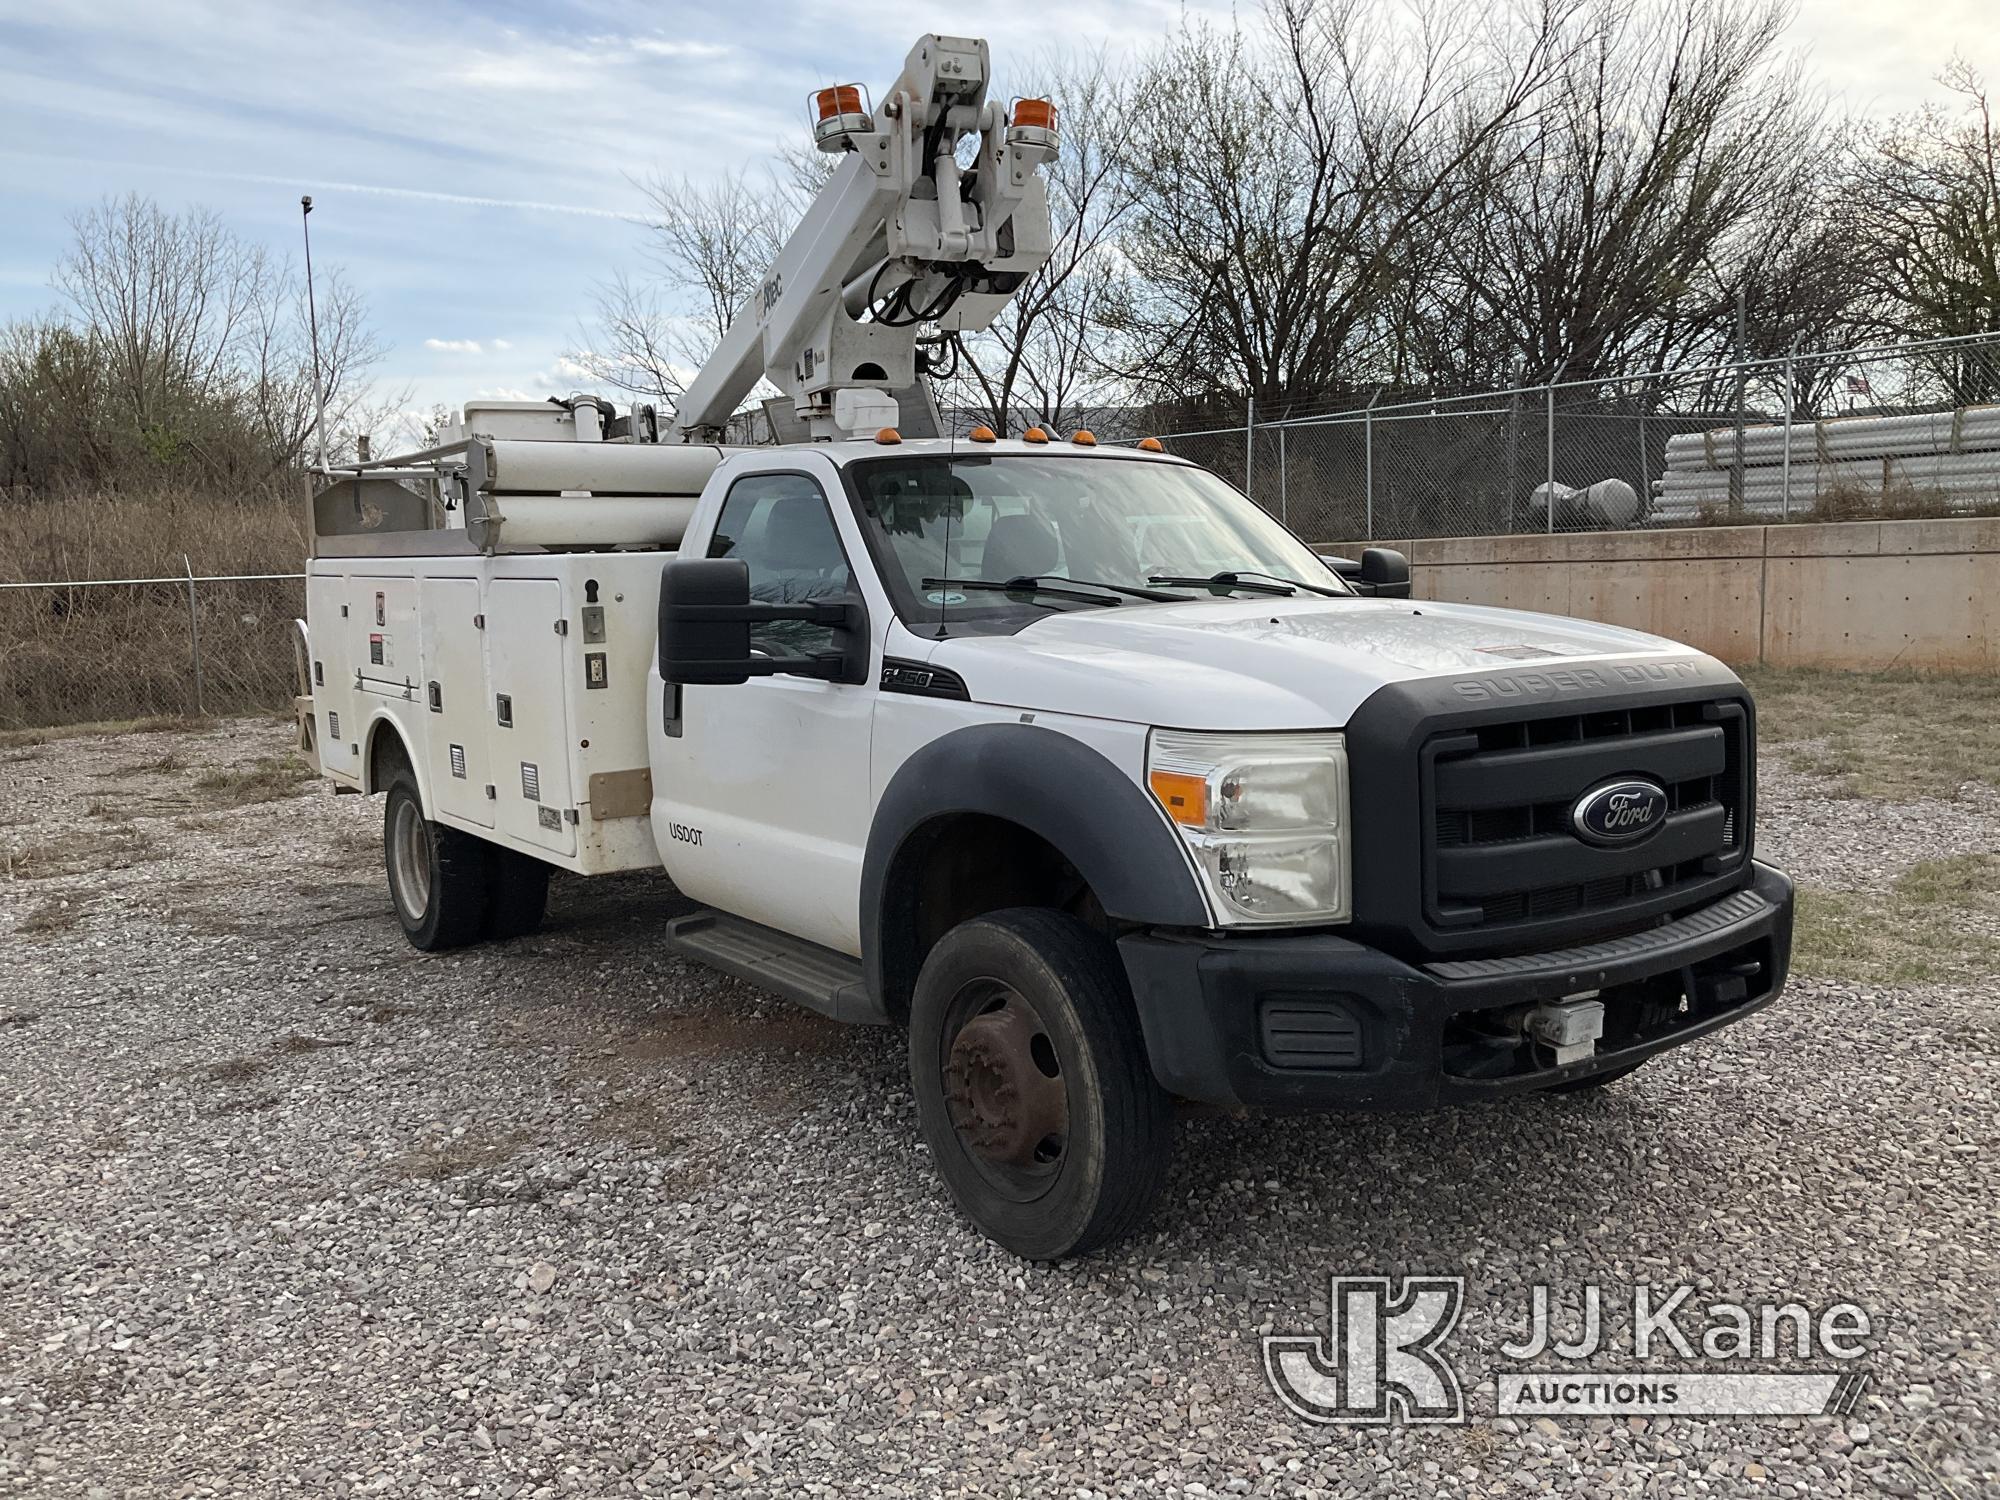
(1265, 816)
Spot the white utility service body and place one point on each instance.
(1065, 757)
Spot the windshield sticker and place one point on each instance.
(944, 596)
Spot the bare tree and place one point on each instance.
(204, 366)
(1925, 201)
(278, 368)
(709, 245)
(1676, 158)
(167, 294)
(1040, 359)
(1288, 180)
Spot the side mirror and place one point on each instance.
(704, 632)
(1385, 573)
(705, 619)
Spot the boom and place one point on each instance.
(901, 236)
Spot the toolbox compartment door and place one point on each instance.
(526, 663)
(332, 669)
(457, 714)
(383, 630)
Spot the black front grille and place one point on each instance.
(1501, 857)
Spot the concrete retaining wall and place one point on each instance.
(1858, 595)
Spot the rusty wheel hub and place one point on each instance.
(1004, 1089)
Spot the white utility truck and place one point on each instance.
(1067, 758)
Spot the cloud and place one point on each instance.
(500, 344)
(454, 346)
(659, 46)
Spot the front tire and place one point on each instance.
(438, 876)
(1032, 1084)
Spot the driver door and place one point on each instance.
(760, 788)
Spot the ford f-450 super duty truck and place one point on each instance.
(1064, 757)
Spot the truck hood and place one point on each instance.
(1270, 663)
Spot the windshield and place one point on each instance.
(991, 518)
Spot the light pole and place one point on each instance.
(312, 319)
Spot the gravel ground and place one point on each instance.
(289, 1209)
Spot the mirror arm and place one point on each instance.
(839, 613)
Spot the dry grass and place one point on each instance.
(1939, 921)
(160, 765)
(119, 848)
(13, 739)
(268, 779)
(150, 536)
(135, 638)
(297, 1045)
(231, 1070)
(1857, 503)
(58, 914)
(474, 1151)
(1893, 737)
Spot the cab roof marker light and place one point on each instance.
(888, 437)
(980, 434)
(1151, 445)
(1083, 437)
(1034, 435)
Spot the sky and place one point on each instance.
(473, 166)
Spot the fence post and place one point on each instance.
(1513, 442)
(1645, 457)
(1791, 400)
(1549, 494)
(1736, 485)
(1250, 446)
(1368, 466)
(1284, 481)
(194, 637)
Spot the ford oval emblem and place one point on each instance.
(1620, 812)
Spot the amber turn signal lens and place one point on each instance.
(981, 434)
(1034, 435)
(1184, 797)
(1151, 445)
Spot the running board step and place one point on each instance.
(815, 977)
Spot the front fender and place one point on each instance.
(1055, 787)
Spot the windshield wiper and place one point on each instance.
(1060, 587)
(1223, 581)
(1252, 583)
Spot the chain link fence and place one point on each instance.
(91, 650)
(1868, 433)
(1898, 431)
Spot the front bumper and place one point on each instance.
(1315, 1021)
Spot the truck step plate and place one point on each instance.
(815, 977)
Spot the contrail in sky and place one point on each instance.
(319, 185)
